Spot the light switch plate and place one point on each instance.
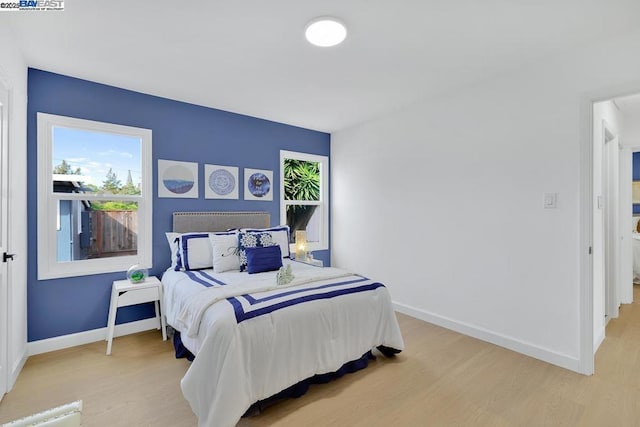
(550, 200)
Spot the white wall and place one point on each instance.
(13, 70)
(608, 112)
(631, 131)
(445, 200)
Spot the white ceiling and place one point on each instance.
(250, 56)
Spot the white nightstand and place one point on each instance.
(124, 293)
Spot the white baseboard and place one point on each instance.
(549, 356)
(86, 337)
(17, 368)
(597, 339)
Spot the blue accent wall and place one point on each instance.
(181, 131)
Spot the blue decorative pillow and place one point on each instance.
(268, 258)
(252, 240)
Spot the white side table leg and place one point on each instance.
(163, 319)
(111, 323)
(157, 308)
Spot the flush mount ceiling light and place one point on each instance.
(325, 31)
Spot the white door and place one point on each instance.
(611, 219)
(4, 187)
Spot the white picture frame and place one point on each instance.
(221, 182)
(177, 179)
(258, 185)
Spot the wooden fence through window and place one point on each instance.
(113, 233)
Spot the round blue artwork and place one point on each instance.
(222, 182)
(178, 179)
(259, 184)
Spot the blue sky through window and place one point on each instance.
(95, 152)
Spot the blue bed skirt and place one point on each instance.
(302, 387)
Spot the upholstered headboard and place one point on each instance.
(184, 222)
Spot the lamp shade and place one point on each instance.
(301, 244)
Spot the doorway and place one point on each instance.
(614, 139)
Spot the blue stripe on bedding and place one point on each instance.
(202, 277)
(241, 315)
(251, 300)
(213, 279)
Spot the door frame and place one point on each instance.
(5, 371)
(611, 223)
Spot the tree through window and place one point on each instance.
(304, 198)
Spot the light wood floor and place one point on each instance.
(441, 379)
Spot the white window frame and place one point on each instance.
(323, 203)
(48, 266)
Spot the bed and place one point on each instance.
(253, 338)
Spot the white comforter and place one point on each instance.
(250, 347)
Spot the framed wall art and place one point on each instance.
(177, 179)
(221, 182)
(258, 185)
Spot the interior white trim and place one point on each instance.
(528, 349)
(598, 338)
(324, 195)
(48, 267)
(611, 243)
(6, 342)
(17, 368)
(585, 249)
(86, 337)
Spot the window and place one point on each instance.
(304, 196)
(94, 197)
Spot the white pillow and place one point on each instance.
(225, 254)
(195, 252)
(280, 235)
(172, 238)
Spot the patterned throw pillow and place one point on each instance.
(252, 240)
(280, 236)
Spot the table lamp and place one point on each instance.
(301, 245)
